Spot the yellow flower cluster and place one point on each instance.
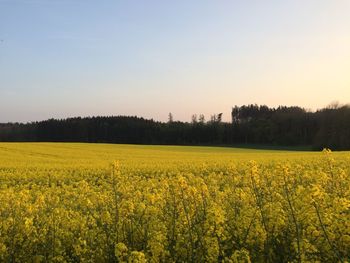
(271, 211)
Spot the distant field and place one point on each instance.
(73, 202)
(99, 155)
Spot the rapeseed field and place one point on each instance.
(122, 203)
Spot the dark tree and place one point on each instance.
(251, 124)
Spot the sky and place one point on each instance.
(66, 58)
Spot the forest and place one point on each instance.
(250, 125)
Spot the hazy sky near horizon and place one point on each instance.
(62, 58)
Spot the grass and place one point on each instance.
(274, 147)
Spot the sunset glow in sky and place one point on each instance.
(64, 58)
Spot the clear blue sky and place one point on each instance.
(61, 58)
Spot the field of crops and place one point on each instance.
(123, 203)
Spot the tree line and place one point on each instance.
(251, 124)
